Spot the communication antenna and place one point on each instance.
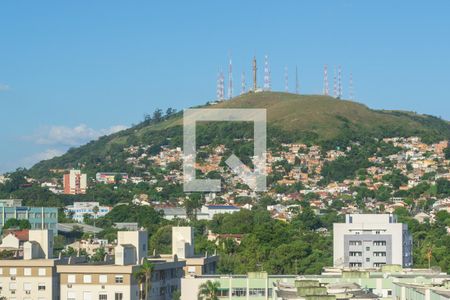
(335, 89)
(350, 87)
(243, 83)
(230, 80)
(255, 69)
(325, 81)
(266, 74)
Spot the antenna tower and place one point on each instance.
(325, 81)
(230, 80)
(286, 80)
(243, 83)
(266, 74)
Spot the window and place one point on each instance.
(379, 243)
(27, 286)
(41, 287)
(353, 253)
(41, 272)
(27, 271)
(103, 278)
(13, 286)
(102, 297)
(239, 292)
(355, 243)
(389, 293)
(367, 248)
(257, 292)
(71, 296)
(87, 278)
(119, 279)
(224, 293)
(71, 278)
(12, 271)
(118, 296)
(367, 259)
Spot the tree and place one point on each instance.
(143, 275)
(209, 290)
(14, 223)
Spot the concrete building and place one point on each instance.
(115, 279)
(10, 202)
(75, 183)
(31, 275)
(371, 241)
(110, 177)
(79, 209)
(39, 217)
(211, 210)
(337, 281)
(417, 291)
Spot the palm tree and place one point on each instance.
(209, 290)
(144, 275)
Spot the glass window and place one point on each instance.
(239, 292)
(119, 279)
(71, 278)
(102, 297)
(13, 286)
(27, 271)
(41, 272)
(87, 278)
(257, 292)
(41, 287)
(118, 296)
(27, 286)
(103, 278)
(12, 271)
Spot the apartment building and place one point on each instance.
(371, 241)
(110, 177)
(75, 183)
(79, 209)
(32, 273)
(39, 217)
(115, 280)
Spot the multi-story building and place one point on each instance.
(39, 217)
(10, 202)
(79, 209)
(31, 275)
(75, 183)
(110, 177)
(370, 241)
(211, 210)
(115, 279)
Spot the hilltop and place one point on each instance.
(302, 118)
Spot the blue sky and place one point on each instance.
(73, 70)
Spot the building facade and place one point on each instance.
(371, 241)
(39, 217)
(75, 183)
(79, 209)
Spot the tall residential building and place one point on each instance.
(39, 217)
(371, 240)
(79, 209)
(32, 274)
(75, 183)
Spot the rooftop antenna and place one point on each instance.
(218, 90)
(266, 74)
(230, 80)
(297, 86)
(335, 89)
(243, 83)
(339, 83)
(325, 81)
(286, 80)
(254, 74)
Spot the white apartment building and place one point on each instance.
(79, 209)
(370, 241)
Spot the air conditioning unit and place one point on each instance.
(69, 286)
(13, 277)
(27, 292)
(103, 287)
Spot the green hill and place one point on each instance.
(307, 118)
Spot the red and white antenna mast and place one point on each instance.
(243, 83)
(222, 87)
(218, 90)
(230, 80)
(266, 74)
(335, 89)
(325, 81)
(286, 80)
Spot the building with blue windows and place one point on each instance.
(39, 217)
